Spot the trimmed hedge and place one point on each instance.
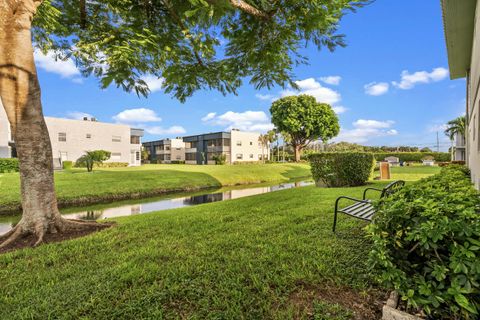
(340, 169)
(110, 165)
(414, 156)
(67, 165)
(426, 244)
(9, 165)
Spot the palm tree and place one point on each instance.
(455, 126)
(265, 140)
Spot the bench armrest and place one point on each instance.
(365, 192)
(348, 198)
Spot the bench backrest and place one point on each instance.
(392, 187)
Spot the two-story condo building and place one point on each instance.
(71, 138)
(237, 146)
(166, 150)
(461, 20)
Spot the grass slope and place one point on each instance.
(261, 257)
(271, 256)
(80, 187)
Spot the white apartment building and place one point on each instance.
(71, 138)
(461, 21)
(5, 135)
(166, 150)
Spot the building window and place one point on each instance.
(159, 148)
(190, 156)
(89, 136)
(134, 140)
(251, 156)
(239, 143)
(137, 156)
(116, 155)
(167, 157)
(251, 143)
(239, 156)
(116, 139)
(62, 136)
(226, 142)
(167, 148)
(178, 157)
(260, 157)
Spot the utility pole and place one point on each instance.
(438, 144)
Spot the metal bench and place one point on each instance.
(364, 209)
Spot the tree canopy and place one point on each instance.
(304, 120)
(455, 126)
(191, 44)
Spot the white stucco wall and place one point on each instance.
(473, 101)
(250, 149)
(4, 134)
(101, 138)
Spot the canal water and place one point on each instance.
(172, 201)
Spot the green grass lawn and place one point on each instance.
(260, 257)
(80, 187)
(271, 256)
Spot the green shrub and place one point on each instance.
(342, 168)
(110, 164)
(67, 165)
(177, 162)
(426, 244)
(413, 156)
(220, 159)
(9, 165)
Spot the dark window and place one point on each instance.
(89, 136)
(62, 136)
(116, 139)
(134, 140)
(190, 156)
(137, 156)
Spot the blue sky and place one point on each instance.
(390, 86)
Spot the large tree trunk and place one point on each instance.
(20, 94)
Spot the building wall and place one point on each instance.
(84, 136)
(166, 150)
(473, 101)
(5, 134)
(246, 147)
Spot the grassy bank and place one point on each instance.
(262, 257)
(78, 187)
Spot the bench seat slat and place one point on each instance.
(365, 210)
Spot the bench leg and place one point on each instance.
(334, 221)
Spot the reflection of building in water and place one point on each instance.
(90, 215)
(205, 198)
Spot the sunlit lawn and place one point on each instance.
(271, 256)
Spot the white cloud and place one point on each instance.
(137, 116)
(48, 62)
(264, 96)
(339, 109)
(312, 87)
(364, 130)
(78, 115)
(154, 83)
(376, 89)
(245, 121)
(332, 80)
(157, 130)
(373, 124)
(409, 80)
(209, 116)
(437, 127)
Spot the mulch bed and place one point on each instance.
(365, 306)
(30, 240)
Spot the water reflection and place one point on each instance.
(117, 210)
